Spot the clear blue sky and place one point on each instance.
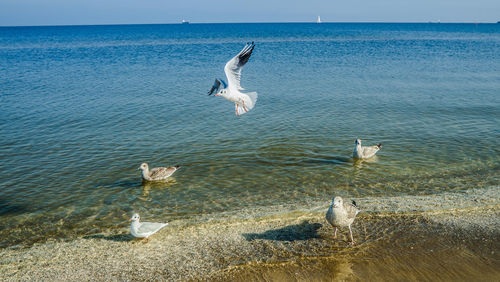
(76, 12)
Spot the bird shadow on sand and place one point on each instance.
(296, 232)
(116, 238)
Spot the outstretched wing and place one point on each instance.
(234, 66)
(215, 87)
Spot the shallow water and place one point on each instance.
(83, 106)
(389, 252)
(450, 236)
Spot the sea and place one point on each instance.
(83, 106)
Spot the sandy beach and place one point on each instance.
(410, 237)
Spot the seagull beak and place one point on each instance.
(217, 94)
(129, 220)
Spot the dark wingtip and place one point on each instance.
(379, 145)
(177, 166)
(354, 203)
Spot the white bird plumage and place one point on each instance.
(342, 214)
(140, 229)
(366, 152)
(243, 102)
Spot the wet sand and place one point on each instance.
(449, 236)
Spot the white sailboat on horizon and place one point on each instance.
(319, 19)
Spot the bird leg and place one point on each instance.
(335, 236)
(244, 107)
(146, 240)
(236, 108)
(350, 232)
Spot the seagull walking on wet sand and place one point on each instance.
(157, 173)
(140, 229)
(243, 102)
(342, 214)
(361, 152)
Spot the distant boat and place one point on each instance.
(319, 19)
(184, 22)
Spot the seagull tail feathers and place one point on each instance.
(250, 100)
(253, 97)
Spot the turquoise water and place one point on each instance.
(83, 106)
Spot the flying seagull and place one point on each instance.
(243, 102)
(342, 214)
(361, 152)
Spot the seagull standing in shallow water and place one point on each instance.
(366, 152)
(243, 102)
(342, 214)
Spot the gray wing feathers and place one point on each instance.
(162, 172)
(351, 210)
(370, 151)
(245, 54)
(148, 227)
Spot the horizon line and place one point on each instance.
(285, 22)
